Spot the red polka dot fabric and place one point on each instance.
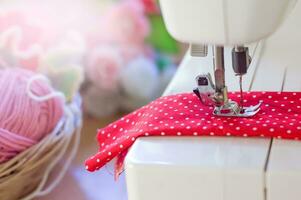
(184, 115)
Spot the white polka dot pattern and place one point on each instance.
(184, 115)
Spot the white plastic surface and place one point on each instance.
(196, 168)
(227, 22)
(284, 171)
(284, 167)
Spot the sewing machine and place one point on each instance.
(225, 35)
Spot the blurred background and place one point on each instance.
(116, 53)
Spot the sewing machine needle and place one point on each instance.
(241, 93)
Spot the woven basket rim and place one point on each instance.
(43, 140)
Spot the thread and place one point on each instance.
(25, 118)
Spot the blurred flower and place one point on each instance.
(30, 32)
(63, 62)
(126, 23)
(140, 78)
(130, 52)
(67, 79)
(68, 50)
(151, 6)
(103, 67)
(11, 54)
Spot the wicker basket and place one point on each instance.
(26, 175)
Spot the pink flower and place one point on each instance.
(31, 32)
(126, 23)
(131, 52)
(20, 40)
(103, 67)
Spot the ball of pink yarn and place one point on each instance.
(23, 120)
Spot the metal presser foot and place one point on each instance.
(206, 93)
(216, 95)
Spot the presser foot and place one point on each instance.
(232, 109)
(225, 107)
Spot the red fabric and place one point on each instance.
(184, 115)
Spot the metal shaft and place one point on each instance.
(241, 93)
(219, 74)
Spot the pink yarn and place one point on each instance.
(24, 121)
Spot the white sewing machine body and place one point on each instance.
(211, 168)
(224, 22)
